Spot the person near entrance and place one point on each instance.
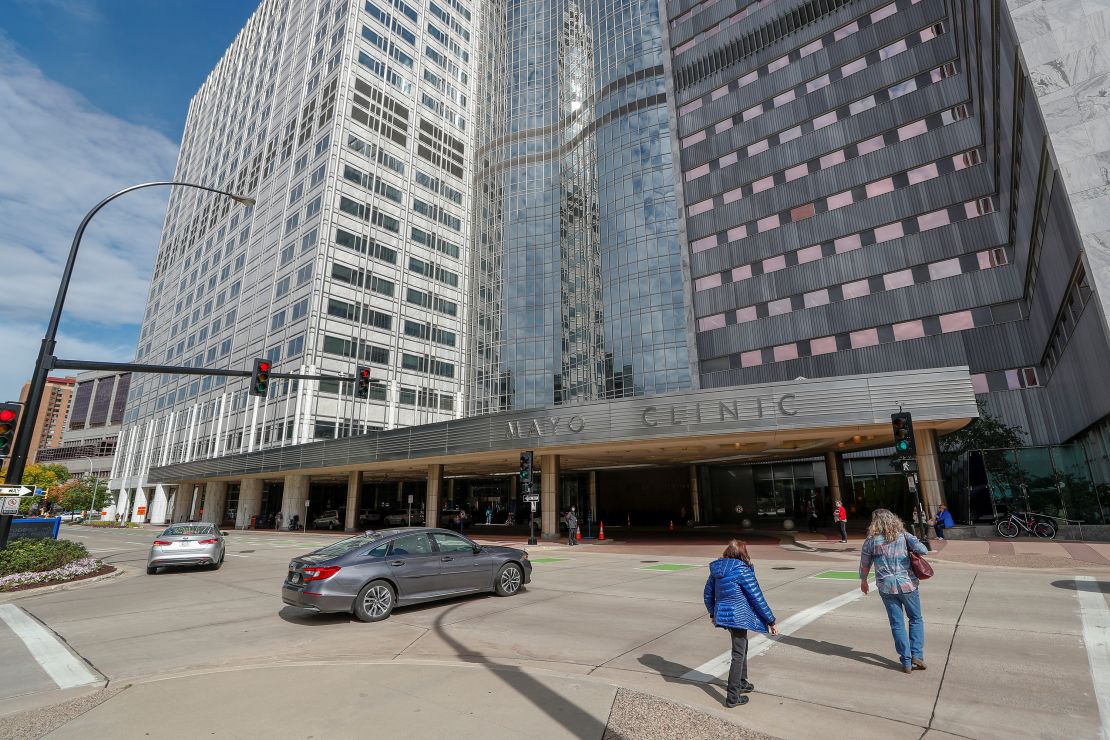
(812, 512)
(735, 602)
(489, 515)
(572, 526)
(840, 515)
(944, 521)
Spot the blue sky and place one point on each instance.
(93, 97)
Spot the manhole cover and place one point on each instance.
(783, 567)
(649, 561)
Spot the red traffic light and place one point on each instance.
(264, 367)
(364, 373)
(7, 415)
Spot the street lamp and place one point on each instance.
(45, 361)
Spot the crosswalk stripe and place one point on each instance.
(1096, 636)
(60, 664)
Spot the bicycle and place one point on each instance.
(1012, 525)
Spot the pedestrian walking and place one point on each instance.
(812, 512)
(888, 547)
(462, 520)
(840, 516)
(489, 515)
(572, 526)
(944, 521)
(735, 602)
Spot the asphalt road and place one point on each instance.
(1012, 652)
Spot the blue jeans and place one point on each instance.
(898, 607)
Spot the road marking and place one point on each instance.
(669, 567)
(1096, 636)
(840, 575)
(60, 664)
(718, 667)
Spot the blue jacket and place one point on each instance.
(733, 597)
(944, 518)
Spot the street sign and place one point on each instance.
(533, 507)
(531, 497)
(16, 491)
(9, 505)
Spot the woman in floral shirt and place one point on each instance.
(887, 548)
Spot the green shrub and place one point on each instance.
(34, 556)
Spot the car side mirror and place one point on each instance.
(477, 549)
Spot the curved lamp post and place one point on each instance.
(45, 361)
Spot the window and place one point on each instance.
(413, 544)
(277, 320)
(452, 543)
(295, 346)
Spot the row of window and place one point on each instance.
(440, 148)
(370, 214)
(375, 153)
(1078, 293)
(850, 242)
(707, 4)
(827, 119)
(433, 271)
(429, 332)
(447, 19)
(384, 71)
(389, 47)
(368, 181)
(365, 245)
(887, 333)
(826, 161)
(441, 110)
(424, 397)
(380, 113)
(984, 260)
(446, 64)
(360, 314)
(438, 243)
(453, 46)
(859, 193)
(392, 23)
(366, 352)
(437, 213)
(400, 5)
(359, 279)
(1005, 380)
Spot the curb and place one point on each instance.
(68, 586)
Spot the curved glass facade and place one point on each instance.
(577, 287)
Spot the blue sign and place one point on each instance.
(36, 528)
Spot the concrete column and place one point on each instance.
(159, 505)
(354, 498)
(928, 470)
(293, 495)
(451, 491)
(593, 493)
(549, 496)
(832, 472)
(140, 503)
(182, 502)
(215, 496)
(431, 504)
(695, 499)
(250, 501)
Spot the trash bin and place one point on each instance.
(254, 522)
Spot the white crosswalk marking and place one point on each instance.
(1096, 636)
(718, 667)
(61, 665)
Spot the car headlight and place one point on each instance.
(524, 554)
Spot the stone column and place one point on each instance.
(928, 470)
(354, 498)
(549, 496)
(159, 505)
(250, 501)
(215, 495)
(832, 472)
(182, 502)
(293, 495)
(431, 503)
(140, 503)
(695, 498)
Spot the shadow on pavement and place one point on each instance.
(307, 618)
(840, 651)
(1070, 584)
(672, 672)
(556, 706)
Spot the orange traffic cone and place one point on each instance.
(601, 532)
(578, 533)
(671, 528)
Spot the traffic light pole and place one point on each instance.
(45, 361)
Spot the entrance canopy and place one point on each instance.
(738, 423)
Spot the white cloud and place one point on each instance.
(59, 156)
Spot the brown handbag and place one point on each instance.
(919, 564)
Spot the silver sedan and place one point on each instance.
(187, 544)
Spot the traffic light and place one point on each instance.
(260, 378)
(526, 468)
(904, 443)
(9, 417)
(362, 382)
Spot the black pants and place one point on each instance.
(813, 524)
(571, 531)
(739, 670)
(843, 530)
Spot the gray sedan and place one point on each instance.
(371, 573)
(187, 544)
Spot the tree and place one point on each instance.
(76, 495)
(45, 477)
(988, 432)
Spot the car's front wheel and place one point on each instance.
(151, 570)
(375, 601)
(509, 580)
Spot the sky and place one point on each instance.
(93, 98)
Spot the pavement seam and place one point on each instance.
(647, 642)
(948, 656)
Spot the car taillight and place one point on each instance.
(162, 542)
(321, 573)
(210, 541)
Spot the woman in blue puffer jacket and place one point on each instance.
(735, 602)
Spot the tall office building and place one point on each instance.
(92, 428)
(46, 432)
(639, 199)
(350, 123)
